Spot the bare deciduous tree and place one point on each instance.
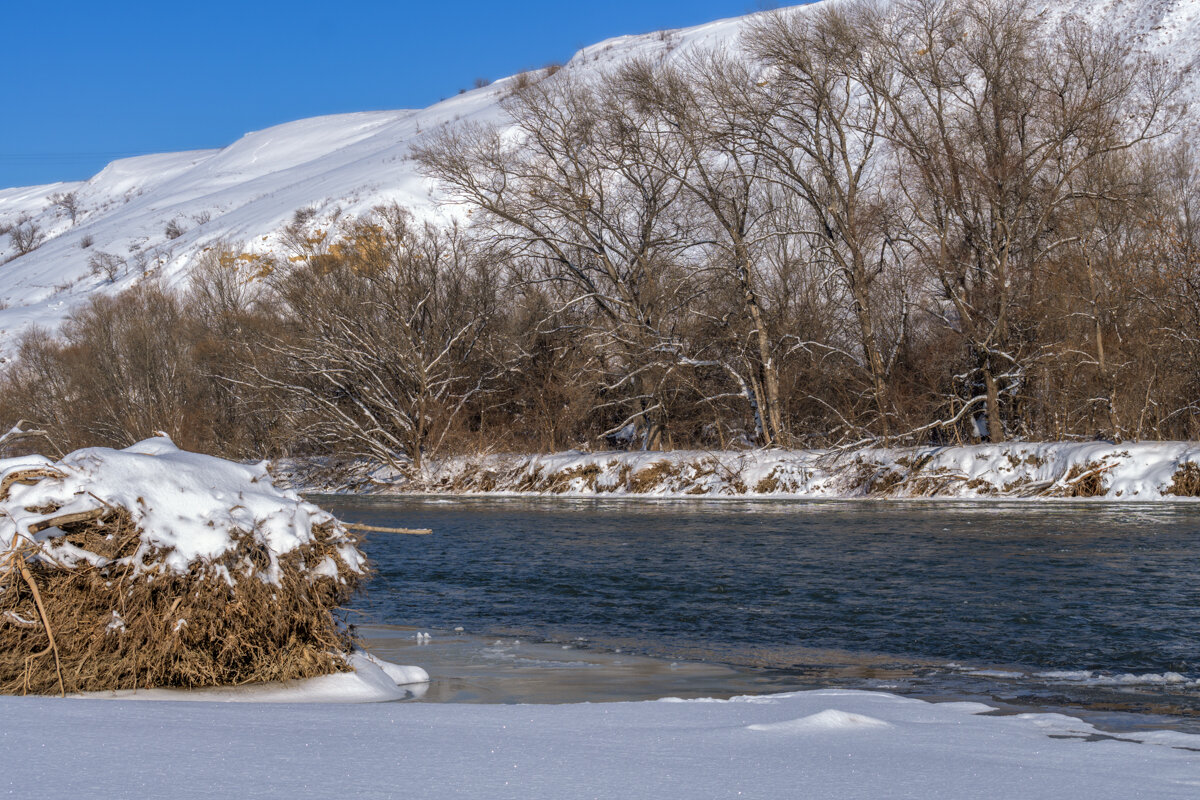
(68, 203)
(575, 200)
(995, 117)
(25, 233)
(386, 347)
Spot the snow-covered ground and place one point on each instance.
(1131, 471)
(154, 214)
(818, 744)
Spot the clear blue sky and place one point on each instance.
(87, 82)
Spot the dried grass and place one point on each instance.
(560, 482)
(114, 629)
(1186, 481)
(1083, 480)
(650, 478)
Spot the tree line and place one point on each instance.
(929, 221)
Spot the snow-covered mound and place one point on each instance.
(155, 214)
(187, 508)
(151, 567)
(1131, 471)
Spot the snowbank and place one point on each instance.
(1133, 471)
(817, 744)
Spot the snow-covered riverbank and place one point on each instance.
(1132, 471)
(829, 743)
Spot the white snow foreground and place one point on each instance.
(817, 744)
(190, 509)
(1131, 471)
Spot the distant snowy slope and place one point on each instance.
(156, 213)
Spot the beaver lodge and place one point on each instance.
(154, 567)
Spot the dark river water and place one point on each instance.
(1064, 604)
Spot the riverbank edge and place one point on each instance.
(1132, 471)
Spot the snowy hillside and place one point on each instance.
(154, 214)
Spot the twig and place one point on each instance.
(27, 477)
(355, 526)
(67, 519)
(37, 600)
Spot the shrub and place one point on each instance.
(106, 264)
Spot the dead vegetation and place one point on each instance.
(104, 624)
(650, 478)
(1186, 481)
(1082, 480)
(560, 482)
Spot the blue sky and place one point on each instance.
(88, 82)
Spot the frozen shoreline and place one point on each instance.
(1141, 471)
(345, 736)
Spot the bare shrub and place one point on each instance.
(174, 229)
(1186, 481)
(107, 264)
(388, 347)
(303, 216)
(26, 235)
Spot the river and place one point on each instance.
(1082, 607)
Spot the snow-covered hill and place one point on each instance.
(156, 213)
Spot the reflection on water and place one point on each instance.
(1050, 605)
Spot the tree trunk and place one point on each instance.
(995, 426)
(768, 410)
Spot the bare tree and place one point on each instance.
(26, 234)
(995, 117)
(574, 198)
(703, 112)
(67, 202)
(821, 135)
(387, 346)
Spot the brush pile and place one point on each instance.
(154, 567)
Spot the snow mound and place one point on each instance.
(152, 567)
(188, 507)
(823, 721)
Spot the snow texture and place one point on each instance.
(189, 507)
(1100, 470)
(820, 744)
(157, 213)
